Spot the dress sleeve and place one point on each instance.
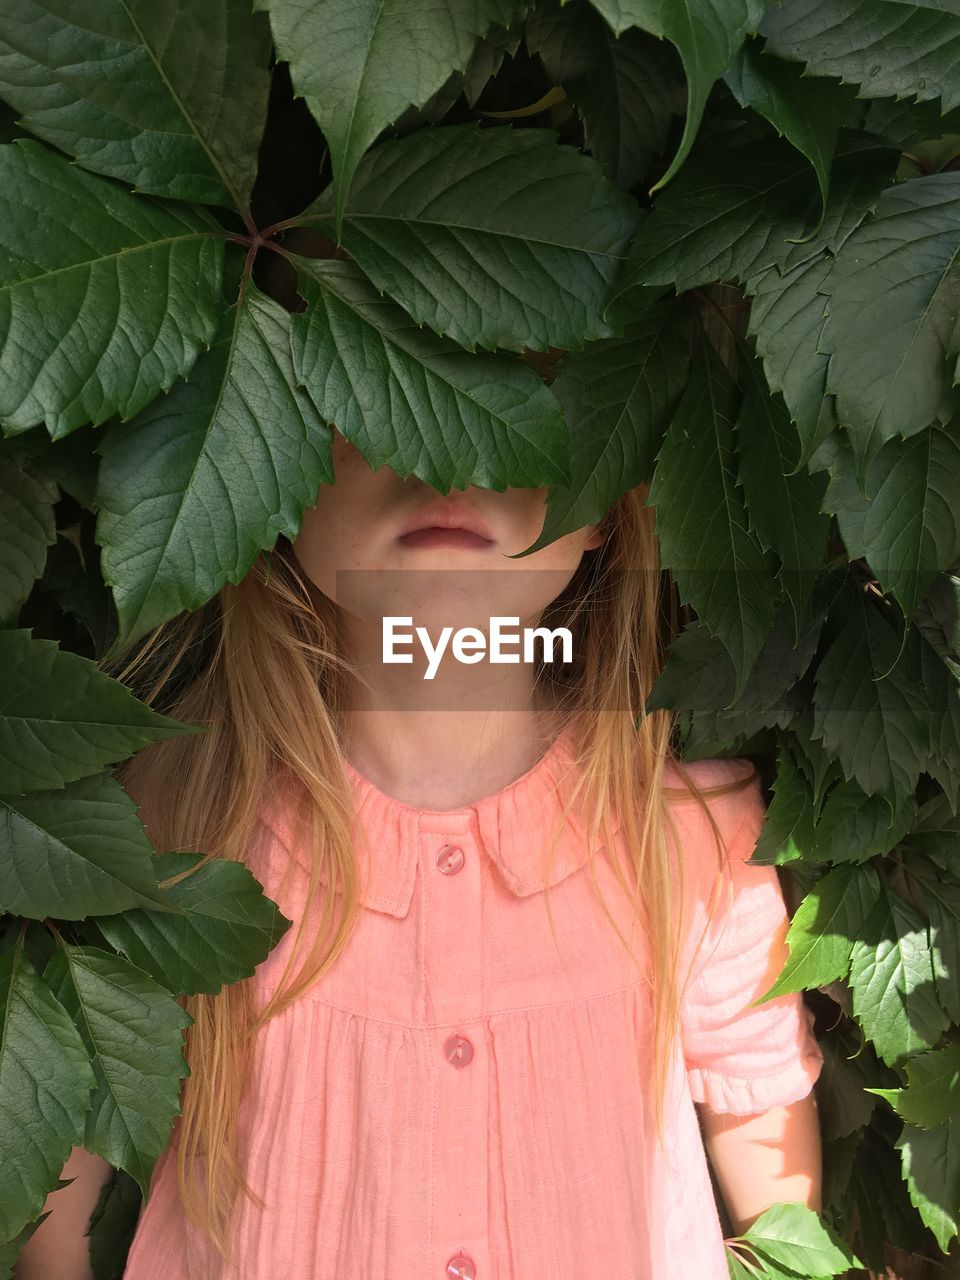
(741, 1059)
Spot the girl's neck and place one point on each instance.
(445, 759)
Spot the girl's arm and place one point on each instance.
(764, 1158)
(59, 1249)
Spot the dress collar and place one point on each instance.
(513, 826)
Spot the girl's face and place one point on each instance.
(351, 546)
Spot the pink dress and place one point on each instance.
(463, 1097)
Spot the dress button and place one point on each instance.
(450, 859)
(458, 1051)
(460, 1267)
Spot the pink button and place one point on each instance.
(460, 1267)
(458, 1051)
(450, 859)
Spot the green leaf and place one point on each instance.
(824, 928)
(940, 679)
(359, 63)
(716, 560)
(787, 316)
(113, 1225)
(617, 398)
(168, 97)
(740, 206)
(844, 1103)
(62, 719)
(734, 210)
(891, 974)
(932, 1094)
(807, 112)
(853, 826)
(788, 308)
(133, 1028)
(193, 489)
(707, 35)
(931, 1170)
(45, 1083)
(531, 269)
(699, 675)
(906, 525)
(11, 1249)
(69, 462)
(784, 503)
(75, 851)
(894, 297)
(942, 903)
(787, 831)
(27, 529)
(455, 418)
(794, 1237)
(885, 46)
(105, 298)
(627, 88)
(229, 927)
(873, 726)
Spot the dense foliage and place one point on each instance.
(707, 244)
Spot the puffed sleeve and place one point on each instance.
(741, 1059)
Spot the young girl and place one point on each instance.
(526, 939)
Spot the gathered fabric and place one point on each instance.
(467, 1094)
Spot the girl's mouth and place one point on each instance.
(437, 537)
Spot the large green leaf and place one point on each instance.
(202, 481)
(627, 88)
(359, 63)
(787, 831)
(793, 1237)
(45, 1083)
(416, 402)
(707, 35)
(788, 308)
(891, 328)
(105, 298)
(941, 683)
(700, 676)
(75, 851)
(27, 529)
(61, 718)
(133, 1028)
(853, 826)
(787, 315)
(907, 525)
(885, 46)
(824, 928)
(932, 1092)
(741, 205)
(931, 1170)
(718, 564)
(875, 727)
(532, 268)
(784, 502)
(228, 928)
(806, 111)
(891, 974)
(166, 96)
(617, 398)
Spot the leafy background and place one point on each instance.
(710, 245)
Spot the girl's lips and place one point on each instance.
(437, 537)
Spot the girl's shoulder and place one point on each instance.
(732, 792)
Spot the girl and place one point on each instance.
(526, 939)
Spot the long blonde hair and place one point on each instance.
(258, 666)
